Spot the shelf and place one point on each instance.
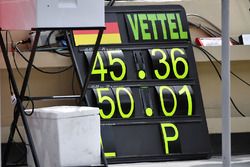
(239, 125)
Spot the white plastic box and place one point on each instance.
(27, 14)
(65, 136)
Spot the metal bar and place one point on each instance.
(19, 97)
(37, 98)
(19, 107)
(22, 94)
(73, 56)
(85, 84)
(91, 64)
(16, 92)
(29, 66)
(226, 85)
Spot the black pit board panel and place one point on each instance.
(146, 85)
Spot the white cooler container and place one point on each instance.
(65, 136)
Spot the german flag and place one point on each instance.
(88, 37)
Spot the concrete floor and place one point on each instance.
(237, 161)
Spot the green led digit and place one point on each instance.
(119, 61)
(107, 98)
(189, 98)
(102, 71)
(132, 107)
(161, 61)
(177, 60)
(166, 113)
(166, 137)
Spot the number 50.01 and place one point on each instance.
(173, 100)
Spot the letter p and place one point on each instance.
(173, 134)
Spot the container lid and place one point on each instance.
(57, 112)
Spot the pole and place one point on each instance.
(226, 109)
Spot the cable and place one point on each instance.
(208, 55)
(206, 20)
(235, 75)
(38, 69)
(15, 63)
(199, 26)
(48, 38)
(58, 51)
(216, 32)
(32, 106)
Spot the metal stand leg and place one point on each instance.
(20, 108)
(91, 64)
(20, 96)
(87, 79)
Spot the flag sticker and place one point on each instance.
(111, 35)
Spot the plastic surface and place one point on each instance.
(27, 14)
(71, 141)
(60, 112)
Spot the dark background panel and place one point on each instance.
(146, 140)
(195, 138)
(138, 140)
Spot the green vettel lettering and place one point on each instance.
(152, 18)
(163, 18)
(155, 26)
(144, 27)
(172, 26)
(134, 25)
(183, 34)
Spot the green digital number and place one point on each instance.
(101, 71)
(189, 98)
(132, 105)
(119, 61)
(178, 60)
(101, 99)
(165, 112)
(163, 61)
(118, 94)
